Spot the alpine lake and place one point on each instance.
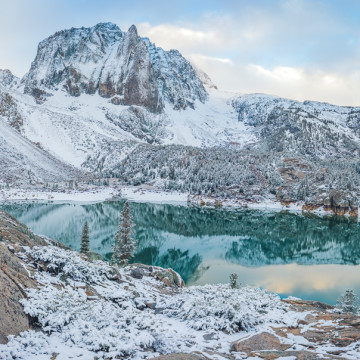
(306, 256)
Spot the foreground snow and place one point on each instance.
(84, 311)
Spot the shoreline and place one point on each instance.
(148, 194)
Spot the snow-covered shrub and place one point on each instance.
(69, 263)
(218, 307)
(100, 325)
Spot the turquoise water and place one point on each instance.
(291, 254)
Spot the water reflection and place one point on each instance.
(304, 256)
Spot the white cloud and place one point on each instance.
(279, 73)
(175, 37)
(289, 82)
(198, 58)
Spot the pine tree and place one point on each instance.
(349, 302)
(85, 241)
(125, 245)
(233, 280)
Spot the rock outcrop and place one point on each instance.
(9, 110)
(321, 327)
(8, 79)
(14, 278)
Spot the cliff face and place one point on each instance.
(118, 65)
(13, 276)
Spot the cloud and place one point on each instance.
(279, 73)
(186, 39)
(198, 58)
(289, 82)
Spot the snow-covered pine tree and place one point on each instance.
(348, 302)
(125, 245)
(233, 280)
(85, 240)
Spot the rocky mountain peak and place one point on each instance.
(133, 30)
(121, 66)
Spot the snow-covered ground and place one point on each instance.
(84, 311)
(115, 320)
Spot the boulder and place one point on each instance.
(262, 341)
(137, 273)
(181, 356)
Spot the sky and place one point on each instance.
(299, 49)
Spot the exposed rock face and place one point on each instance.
(169, 277)
(13, 276)
(316, 186)
(113, 63)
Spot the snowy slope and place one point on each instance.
(89, 131)
(23, 162)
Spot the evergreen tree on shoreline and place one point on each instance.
(348, 302)
(125, 245)
(85, 240)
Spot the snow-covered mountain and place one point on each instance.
(117, 65)
(95, 95)
(101, 87)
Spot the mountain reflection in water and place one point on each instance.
(306, 256)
